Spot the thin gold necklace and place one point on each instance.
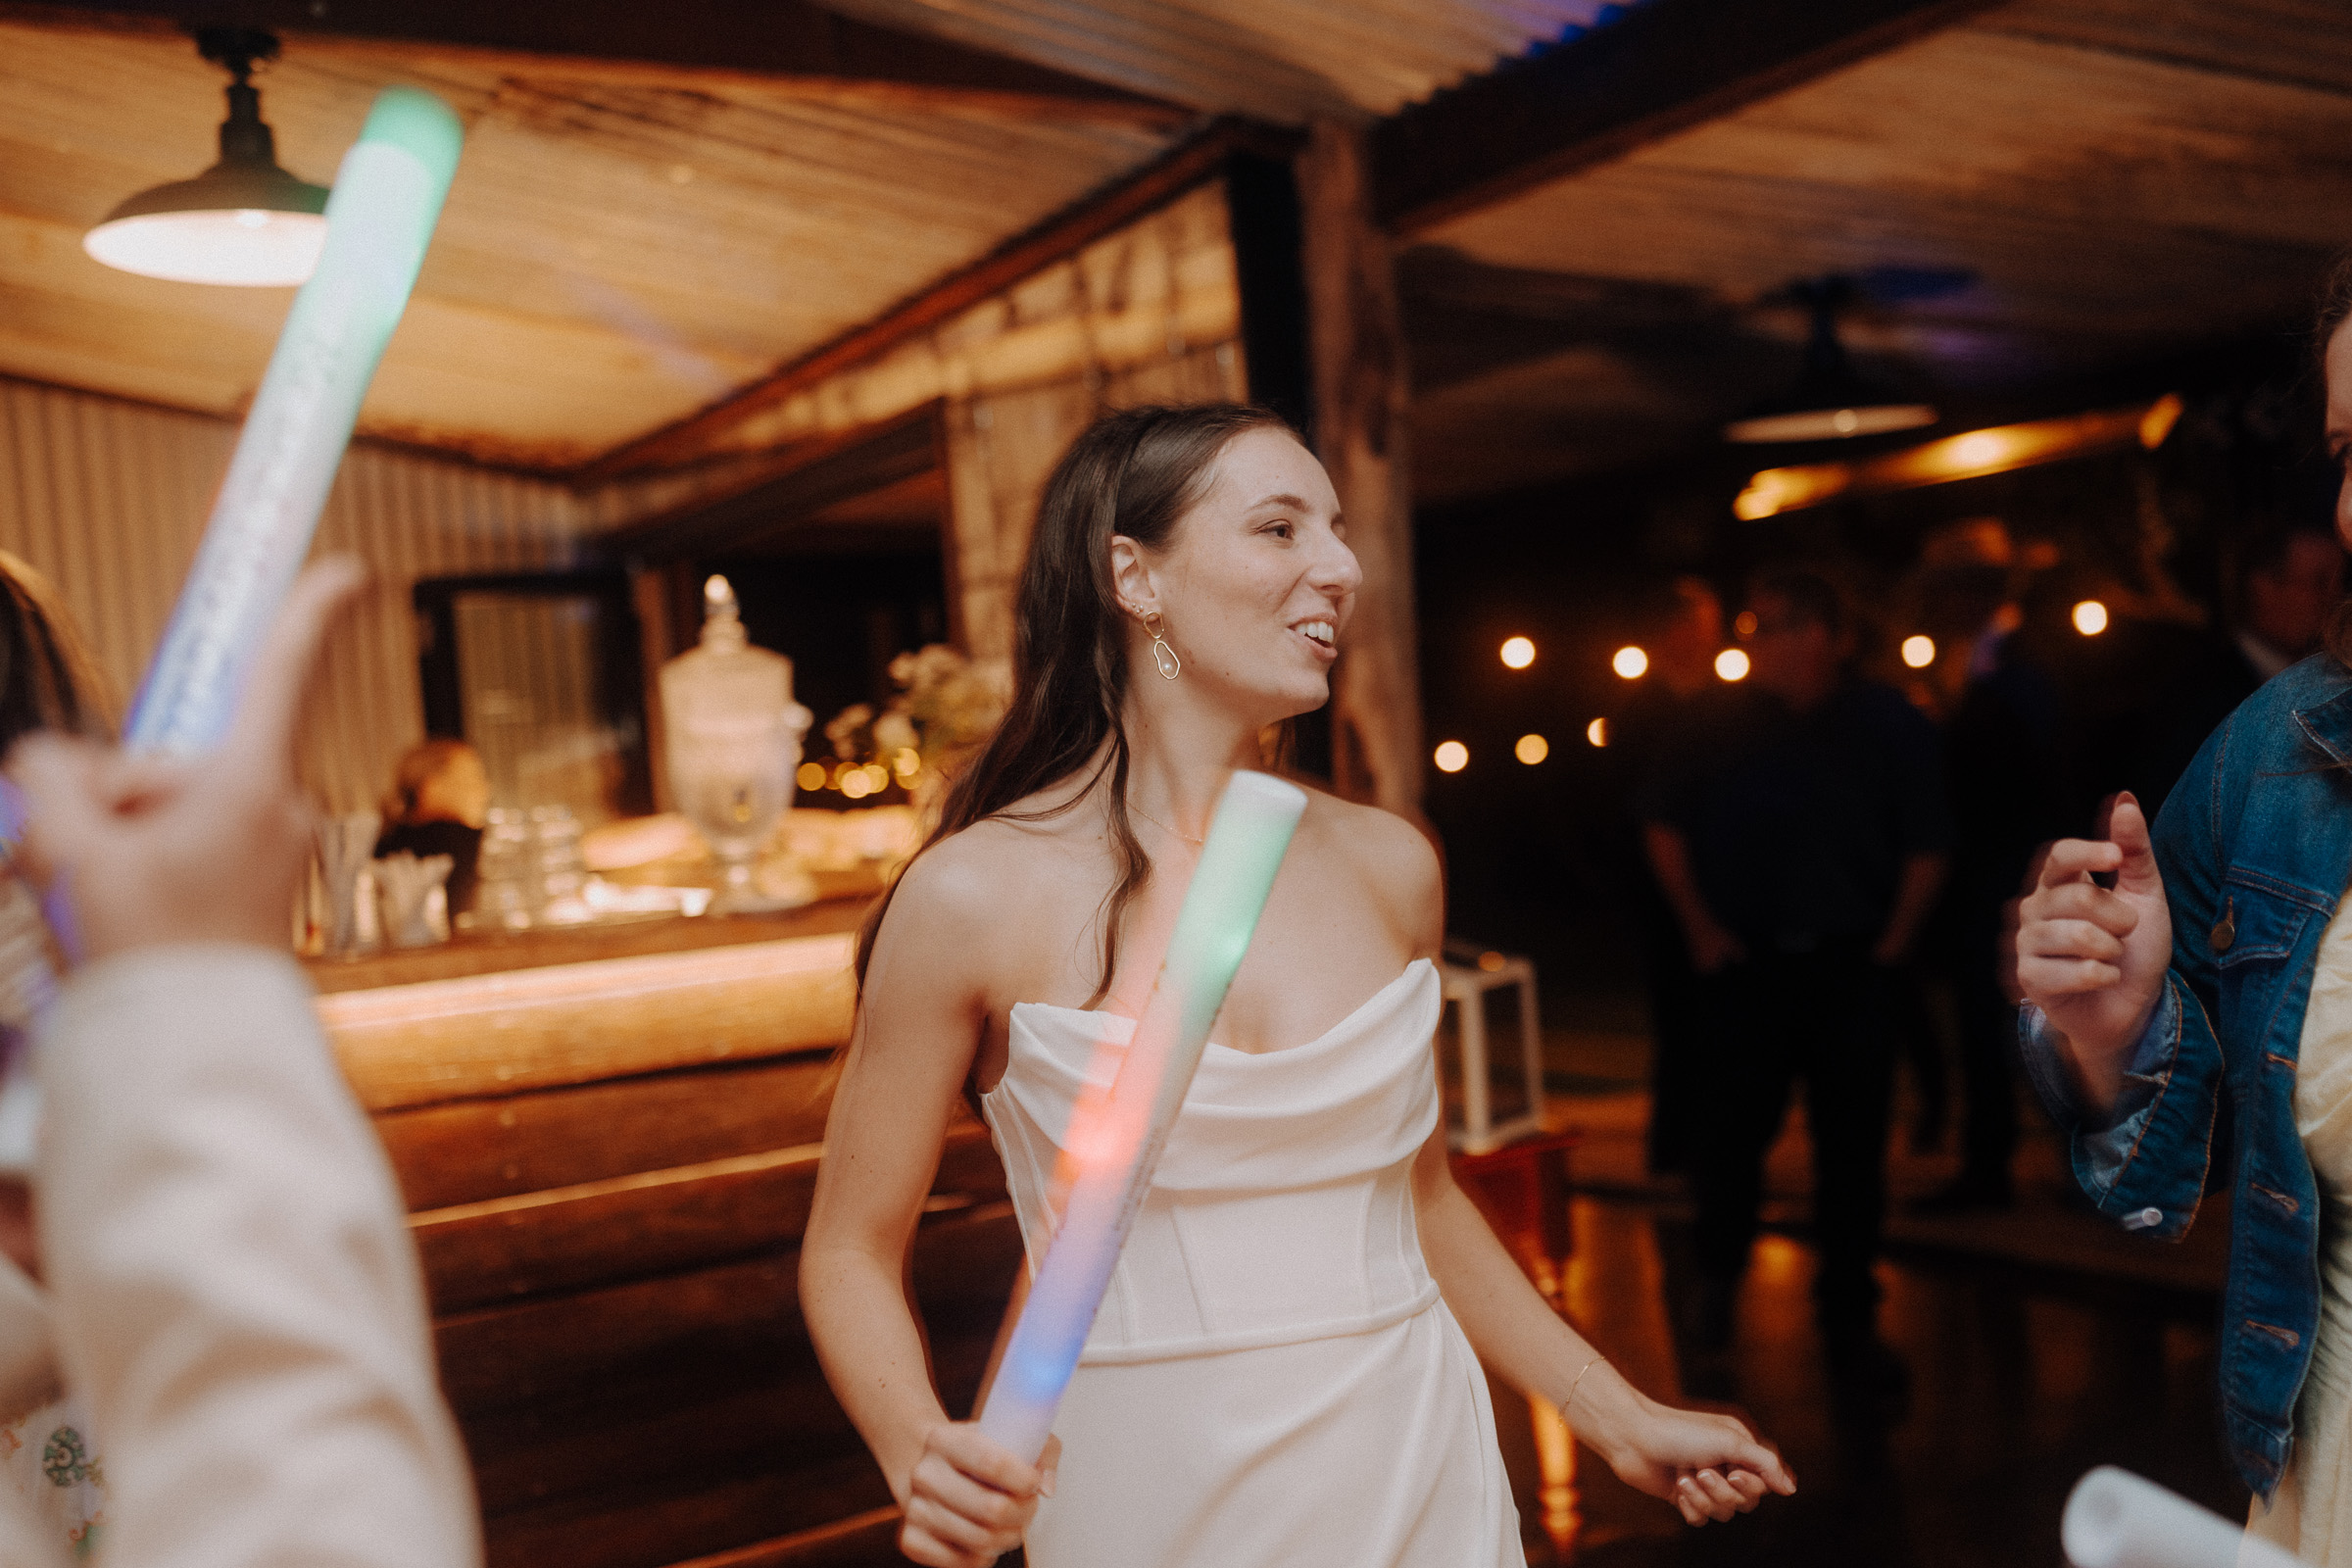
(1162, 827)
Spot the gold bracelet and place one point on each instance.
(1578, 1380)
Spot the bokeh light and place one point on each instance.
(855, 785)
(812, 776)
(1744, 623)
(1730, 664)
(1452, 757)
(1518, 652)
(1630, 663)
(2091, 618)
(1598, 732)
(1919, 652)
(1532, 749)
(909, 762)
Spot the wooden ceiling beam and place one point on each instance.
(1662, 68)
(761, 38)
(702, 433)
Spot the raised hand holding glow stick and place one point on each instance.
(387, 198)
(2115, 1519)
(1113, 1143)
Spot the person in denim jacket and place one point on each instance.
(2204, 972)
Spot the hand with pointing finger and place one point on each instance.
(2094, 958)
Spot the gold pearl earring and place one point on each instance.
(1164, 657)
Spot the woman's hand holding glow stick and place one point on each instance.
(1114, 1155)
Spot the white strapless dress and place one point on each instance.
(1273, 1381)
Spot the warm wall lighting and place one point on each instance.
(812, 776)
(1518, 652)
(1452, 757)
(1919, 652)
(1630, 663)
(1598, 732)
(1969, 455)
(1730, 664)
(1532, 749)
(2091, 618)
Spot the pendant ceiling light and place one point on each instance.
(244, 221)
(1832, 401)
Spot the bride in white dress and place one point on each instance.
(1282, 1374)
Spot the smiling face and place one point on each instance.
(1256, 581)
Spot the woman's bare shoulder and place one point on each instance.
(1392, 858)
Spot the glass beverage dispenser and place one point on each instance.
(732, 739)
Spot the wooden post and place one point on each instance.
(1357, 344)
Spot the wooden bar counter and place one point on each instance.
(609, 1138)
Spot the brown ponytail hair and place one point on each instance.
(1133, 474)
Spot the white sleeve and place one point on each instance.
(237, 1299)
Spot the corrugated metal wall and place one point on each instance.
(109, 498)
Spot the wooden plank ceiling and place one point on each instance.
(2123, 180)
(1276, 60)
(624, 243)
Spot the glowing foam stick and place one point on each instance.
(2115, 1519)
(386, 200)
(1114, 1141)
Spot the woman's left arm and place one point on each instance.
(1709, 1466)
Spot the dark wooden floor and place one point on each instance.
(2022, 1379)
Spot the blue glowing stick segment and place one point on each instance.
(380, 219)
(1114, 1141)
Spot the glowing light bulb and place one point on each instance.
(1532, 749)
(1630, 663)
(2091, 618)
(1598, 732)
(1919, 652)
(1452, 757)
(1518, 652)
(1730, 664)
(811, 776)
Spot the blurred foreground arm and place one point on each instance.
(236, 1295)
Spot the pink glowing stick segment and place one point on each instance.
(1114, 1140)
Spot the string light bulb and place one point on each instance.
(2091, 618)
(1919, 651)
(1518, 652)
(1730, 664)
(1630, 663)
(1452, 757)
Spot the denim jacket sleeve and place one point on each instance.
(2144, 1161)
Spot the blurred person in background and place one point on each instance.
(1682, 633)
(2290, 578)
(440, 798)
(49, 1462)
(226, 1278)
(1801, 843)
(2000, 737)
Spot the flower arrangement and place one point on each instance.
(946, 710)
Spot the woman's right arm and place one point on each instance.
(919, 1025)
